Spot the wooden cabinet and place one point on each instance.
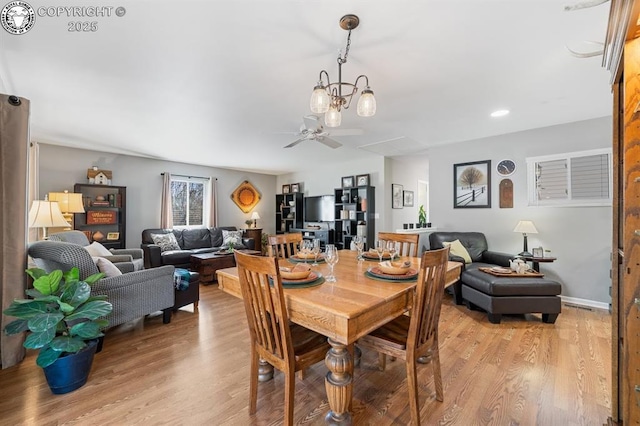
(256, 234)
(104, 219)
(355, 213)
(289, 213)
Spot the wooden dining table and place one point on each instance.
(344, 311)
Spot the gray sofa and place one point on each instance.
(191, 241)
(133, 295)
(494, 294)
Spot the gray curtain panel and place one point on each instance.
(14, 147)
(166, 213)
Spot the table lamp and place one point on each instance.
(526, 227)
(69, 203)
(46, 214)
(255, 216)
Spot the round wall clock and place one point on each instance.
(506, 167)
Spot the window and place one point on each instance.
(574, 179)
(190, 201)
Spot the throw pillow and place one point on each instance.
(457, 249)
(105, 266)
(234, 237)
(97, 249)
(165, 241)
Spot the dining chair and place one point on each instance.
(408, 243)
(286, 346)
(284, 245)
(415, 336)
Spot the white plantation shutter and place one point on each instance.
(574, 179)
(590, 177)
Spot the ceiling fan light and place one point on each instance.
(333, 117)
(367, 103)
(320, 100)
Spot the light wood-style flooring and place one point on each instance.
(194, 371)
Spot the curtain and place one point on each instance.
(14, 148)
(166, 213)
(213, 216)
(33, 185)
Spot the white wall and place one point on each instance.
(405, 171)
(580, 237)
(61, 168)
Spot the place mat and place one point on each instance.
(502, 272)
(411, 275)
(370, 256)
(295, 259)
(389, 280)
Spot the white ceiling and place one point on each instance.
(216, 83)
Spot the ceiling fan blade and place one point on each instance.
(331, 143)
(312, 122)
(296, 142)
(347, 132)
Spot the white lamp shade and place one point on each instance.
(333, 117)
(367, 104)
(255, 216)
(525, 227)
(320, 100)
(46, 214)
(68, 202)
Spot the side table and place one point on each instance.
(537, 260)
(256, 234)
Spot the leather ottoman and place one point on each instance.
(189, 295)
(505, 295)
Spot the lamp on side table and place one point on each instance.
(526, 227)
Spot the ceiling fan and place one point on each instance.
(312, 129)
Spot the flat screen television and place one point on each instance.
(319, 208)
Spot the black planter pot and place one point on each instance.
(71, 371)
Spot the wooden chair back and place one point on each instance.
(284, 245)
(425, 313)
(407, 243)
(266, 311)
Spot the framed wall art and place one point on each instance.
(347, 182)
(408, 198)
(246, 196)
(295, 187)
(396, 196)
(113, 236)
(286, 189)
(362, 180)
(472, 185)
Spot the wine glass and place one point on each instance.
(305, 248)
(359, 242)
(331, 257)
(392, 246)
(380, 248)
(315, 249)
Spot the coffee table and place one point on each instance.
(206, 264)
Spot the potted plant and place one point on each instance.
(249, 223)
(64, 322)
(422, 217)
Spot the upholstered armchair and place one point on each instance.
(127, 260)
(133, 295)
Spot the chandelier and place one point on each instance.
(330, 98)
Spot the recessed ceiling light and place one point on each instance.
(500, 113)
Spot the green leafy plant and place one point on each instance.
(248, 222)
(60, 315)
(422, 215)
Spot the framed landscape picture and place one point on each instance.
(362, 180)
(347, 182)
(396, 196)
(472, 185)
(286, 189)
(295, 187)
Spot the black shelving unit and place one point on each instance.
(289, 212)
(114, 205)
(355, 207)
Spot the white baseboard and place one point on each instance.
(585, 302)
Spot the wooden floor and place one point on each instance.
(195, 370)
